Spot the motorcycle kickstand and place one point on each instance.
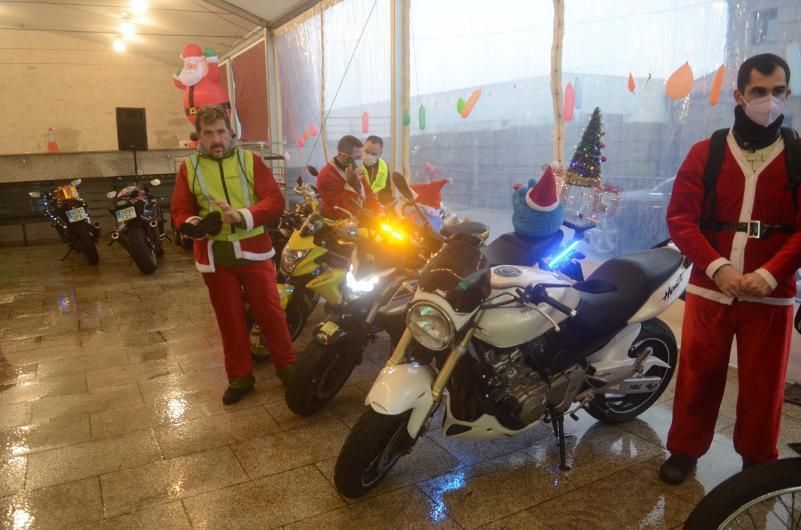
(558, 423)
(67, 254)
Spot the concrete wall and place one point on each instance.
(74, 85)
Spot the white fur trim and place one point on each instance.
(715, 266)
(188, 219)
(710, 294)
(210, 267)
(539, 208)
(248, 217)
(213, 59)
(768, 277)
(254, 256)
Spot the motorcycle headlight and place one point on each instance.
(290, 259)
(430, 327)
(356, 288)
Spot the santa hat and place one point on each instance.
(542, 196)
(191, 50)
(430, 194)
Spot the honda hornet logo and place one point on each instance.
(673, 288)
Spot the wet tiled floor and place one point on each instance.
(111, 417)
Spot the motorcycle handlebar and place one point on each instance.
(537, 294)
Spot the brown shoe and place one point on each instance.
(677, 468)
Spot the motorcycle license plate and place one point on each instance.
(76, 214)
(125, 214)
(329, 328)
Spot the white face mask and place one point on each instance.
(359, 163)
(370, 160)
(764, 110)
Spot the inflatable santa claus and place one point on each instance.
(199, 79)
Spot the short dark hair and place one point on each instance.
(764, 63)
(348, 143)
(210, 114)
(375, 139)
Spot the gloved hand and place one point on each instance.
(211, 225)
(353, 180)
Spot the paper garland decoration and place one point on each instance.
(421, 117)
(459, 105)
(300, 142)
(680, 82)
(313, 130)
(407, 118)
(365, 122)
(569, 103)
(632, 84)
(471, 102)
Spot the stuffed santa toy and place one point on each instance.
(537, 210)
(199, 79)
(429, 198)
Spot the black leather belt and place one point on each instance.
(754, 229)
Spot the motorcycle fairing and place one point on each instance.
(400, 388)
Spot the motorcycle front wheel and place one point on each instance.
(373, 447)
(86, 242)
(618, 408)
(141, 251)
(763, 496)
(320, 372)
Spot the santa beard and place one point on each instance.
(192, 77)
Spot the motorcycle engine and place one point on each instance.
(516, 386)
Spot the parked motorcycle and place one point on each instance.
(763, 496)
(508, 347)
(69, 215)
(140, 224)
(293, 218)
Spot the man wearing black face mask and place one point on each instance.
(734, 215)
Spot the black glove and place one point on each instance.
(211, 225)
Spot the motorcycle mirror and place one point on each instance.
(155, 182)
(34, 194)
(111, 194)
(76, 182)
(402, 186)
(312, 170)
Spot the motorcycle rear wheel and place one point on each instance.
(86, 243)
(373, 447)
(760, 494)
(320, 372)
(615, 408)
(142, 253)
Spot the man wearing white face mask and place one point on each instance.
(735, 213)
(341, 183)
(376, 169)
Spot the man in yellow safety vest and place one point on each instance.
(375, 169)
(223, 197)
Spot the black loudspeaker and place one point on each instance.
(131, 129)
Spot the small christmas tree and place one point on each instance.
(585, 167)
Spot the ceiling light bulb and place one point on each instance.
(139, 6)
(119, 45)
(127, 28)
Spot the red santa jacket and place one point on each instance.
(335, 191)
(742, 195)
(269, 207)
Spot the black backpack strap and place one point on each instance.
(792, 159)
(717, 149)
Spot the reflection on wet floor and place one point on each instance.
(110, 416)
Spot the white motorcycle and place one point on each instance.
(509, 347)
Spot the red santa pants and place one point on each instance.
(225, 290)
(763, 334)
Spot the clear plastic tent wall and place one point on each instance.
(496, 60)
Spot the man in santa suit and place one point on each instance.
(341, 183)
(223, 197)
(742, 284)
(199, 79)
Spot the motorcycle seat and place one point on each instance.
(635, 277)
(514, 249)
(469, 227)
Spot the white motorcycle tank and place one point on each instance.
(505, 327)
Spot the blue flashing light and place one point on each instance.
(562, 255)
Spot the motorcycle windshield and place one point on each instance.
(446, 272)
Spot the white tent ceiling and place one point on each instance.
(89, 26)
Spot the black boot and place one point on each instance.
(677, 468)
(233, 395)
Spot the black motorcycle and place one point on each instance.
(69, 215)
(140, 224)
